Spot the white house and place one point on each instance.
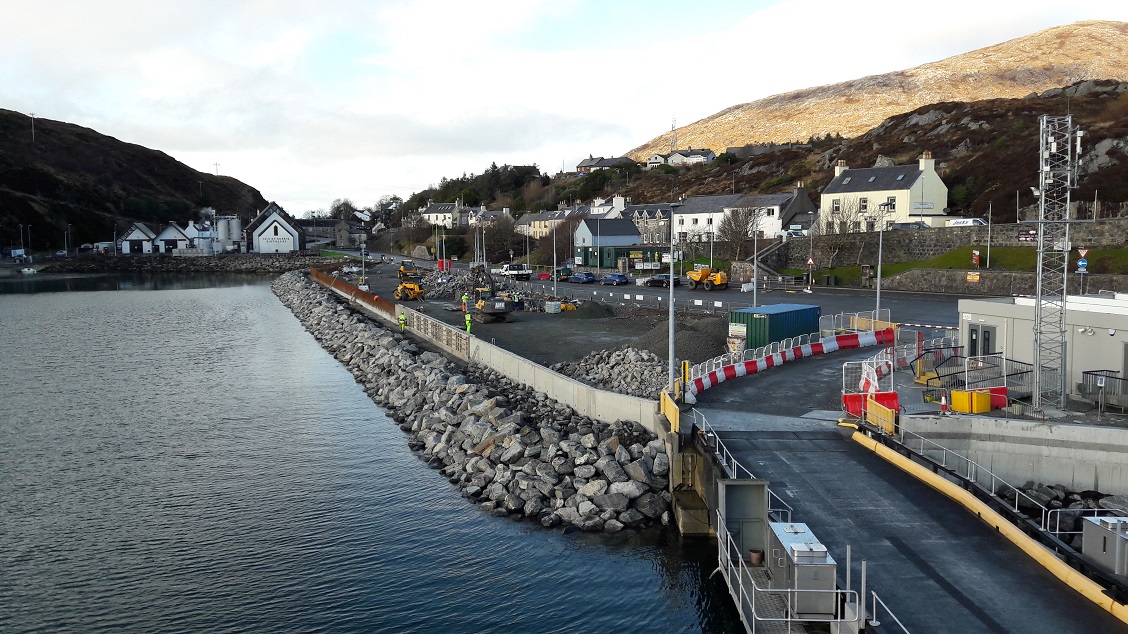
(690, 157)
(136, 240)
(171, 238)
(696, 218)
(857, 199)
(274, 231)
(777, 212)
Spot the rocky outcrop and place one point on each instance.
(1068, 506)
(512, 450)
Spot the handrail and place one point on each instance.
(971, 470)
(733, 469)
(873, 614)
(744, 597)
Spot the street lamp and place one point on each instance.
(66, 240)
(670, 353)
(755, 254)
(555, 275)
(810, 250)
(883, 208)
(22, 247)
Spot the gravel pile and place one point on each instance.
(512, 450)
(696, 339)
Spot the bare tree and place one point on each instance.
(499, 234)
(845, 216)
(736, 228)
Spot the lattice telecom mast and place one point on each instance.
(674, 138)
(1057, 175)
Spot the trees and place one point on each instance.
(846, 215)
(737, 226)
(342, 209)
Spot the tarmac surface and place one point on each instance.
(937, 567)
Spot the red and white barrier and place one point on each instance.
(826, 346)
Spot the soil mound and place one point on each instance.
(696, 339)
(589, 310)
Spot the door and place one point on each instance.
(981, 340)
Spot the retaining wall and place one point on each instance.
(1081, 457)
(586, 400)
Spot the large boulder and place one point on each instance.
(611, 502)
(594, 488)
(650, 504)
(609, 467)
(631, 488)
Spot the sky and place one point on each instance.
(313, 101)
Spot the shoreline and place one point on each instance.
(510, 450)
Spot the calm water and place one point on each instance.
(190, 460)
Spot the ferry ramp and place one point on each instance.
(936, 566)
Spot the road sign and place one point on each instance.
(1028, 236)
(975, 258)
(1082, 263)
(1082, 251)
(810, 261)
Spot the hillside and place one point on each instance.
(986, 152)
(1054, 57)
(74, 175)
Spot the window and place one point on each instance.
(695, 221)
(836, 205)
(900, 177)
(709, 221)
(870, 225)
(855, 227)
(681, 221)
(891, 203)
(771, 212)
(872, 179)
(275, 229)
(846, 181)
(863, 204)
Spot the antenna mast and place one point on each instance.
(674, 132)
(1057, 175)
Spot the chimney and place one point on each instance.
(840, 167)
(927, 164)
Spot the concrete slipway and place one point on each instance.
(938, 567)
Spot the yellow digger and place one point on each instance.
(708, 278)
(409, 291)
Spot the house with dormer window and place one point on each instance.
(859, 199)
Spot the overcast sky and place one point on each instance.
(311, 101)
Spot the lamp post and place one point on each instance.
(810, 251)
(755, 255)
(554, 274)
(22, 247)
(670, 352)
(66, 240)
(883, 208)
(988, 235)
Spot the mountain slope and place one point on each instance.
(75, 176)
(1054, 57)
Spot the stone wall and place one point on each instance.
(992, 283)
(853, 249)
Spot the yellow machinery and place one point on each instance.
(407, 269)
(708, 278)
(409, 291)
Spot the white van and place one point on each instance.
(967, 222)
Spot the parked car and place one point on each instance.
(909, 225)
(60, 253)
(614, 279)
(583, 277)
(663, 280)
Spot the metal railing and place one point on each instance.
(865, 321)
(875, 622)
(777, 508)
(985, 371)
(1105, 386)
(738, 577)
(971, 470)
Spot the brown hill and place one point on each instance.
(986, 151)
(93, 182)
(1054, 57)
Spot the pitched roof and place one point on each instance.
(659, 210)
(691, 153)
(589, 161)
(706, 204)
(874, 179)
(611, 162)
(612, 227)
(765, 200)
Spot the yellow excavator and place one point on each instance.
(489, 306)
(409, 291)
(407, 270)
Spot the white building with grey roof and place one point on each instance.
(858, 199)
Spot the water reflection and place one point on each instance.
(70, 282)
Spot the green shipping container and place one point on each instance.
(766, 324)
